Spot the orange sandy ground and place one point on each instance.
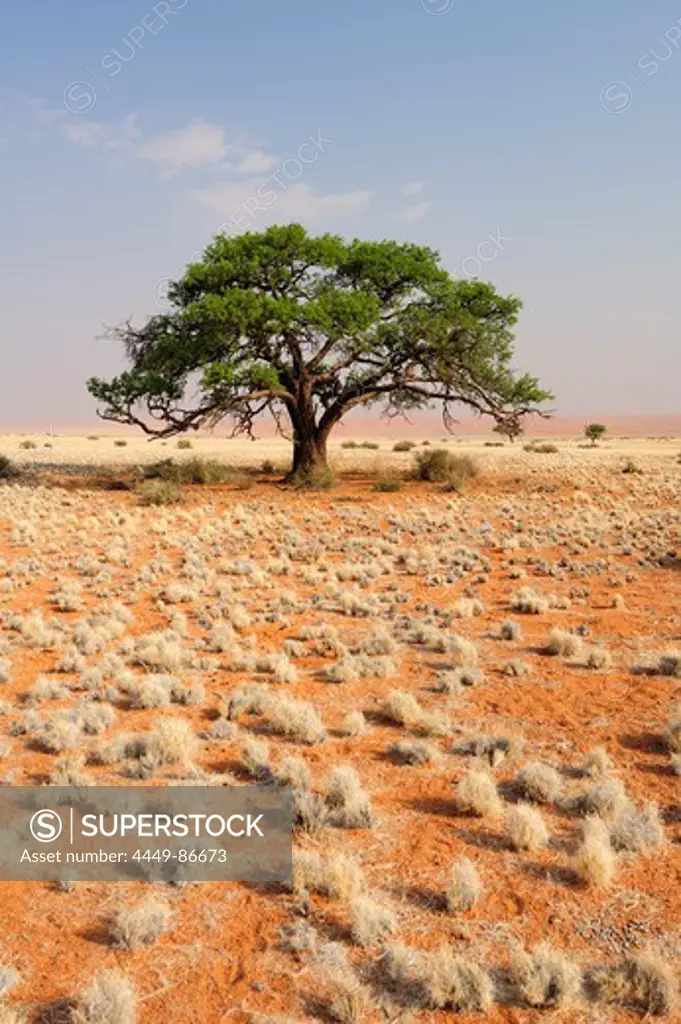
(220, 960)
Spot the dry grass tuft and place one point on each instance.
(465, 887)
(108, 999)
(546, 978)
(526, 828)
(596, 862)
(540, 783)
(644, 983)
(438, 980)
(477, 794)
(141, 924)
(371, 922)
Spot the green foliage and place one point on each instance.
(159, 492)
(441, 466)
(595, 431)
(361, 323)
(388, 483)
(191, 471)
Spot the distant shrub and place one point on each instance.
(541, 449)
(595, 431)
(93, 437)
(388, 484)
(28, 444)
(184, 443)
(406, 446)
(8, 470)
(441, 466)
(371, 446)
(267, 466)
(191, 471)
(159, 492)
(349, 445)
(120, 444)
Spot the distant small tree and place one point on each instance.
(309, 328)
(510, 429)
(594, 432)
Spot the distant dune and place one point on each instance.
(419, 425)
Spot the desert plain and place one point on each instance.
(472, 692)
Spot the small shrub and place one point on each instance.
(526, 828)
(159, 492)
(120, 444)
(8, 470)
(638, 831)
(562, 644)
(540, 783)
(109, 999)
(388, 484)
(545, 978)
(438, 980)
(28, 445)
(268, 467)
(411, 753)
(477, 794)
(406, 446)
(510, 631)
(141, 924)
(464, 888)
(354, 724)
(296, 719)
(370, 922)
(349, 804)
(184, 443)
(596, 862)
(642, 982)
(349, 445)
(441, 466)
(542, 448)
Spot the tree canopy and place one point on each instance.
(308, 328)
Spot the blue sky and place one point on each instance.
(131, 132)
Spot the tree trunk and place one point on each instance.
(309, 454)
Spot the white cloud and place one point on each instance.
(200, 143)
(412, 188)
(410, 213)
(255, 200)
(257, 162)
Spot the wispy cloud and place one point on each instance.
(293, 202)
(411, 213)
(412, 188)
(197, 145)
